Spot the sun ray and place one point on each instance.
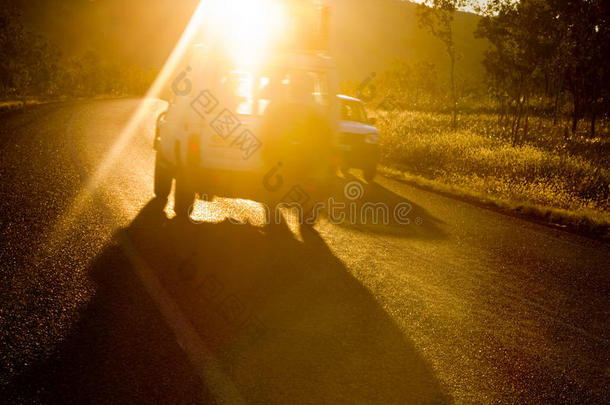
(60, 230)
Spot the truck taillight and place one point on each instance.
(193, 149)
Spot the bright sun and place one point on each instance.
(245, 28)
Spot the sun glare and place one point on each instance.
(246, 29)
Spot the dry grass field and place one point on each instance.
(565, 180)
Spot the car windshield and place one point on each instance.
(353, 111)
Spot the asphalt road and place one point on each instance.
(103, 297)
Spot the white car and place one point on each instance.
(358, 139)
(214, 139)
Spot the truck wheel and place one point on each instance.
(369, 173)
(163, 179)
(184, 197)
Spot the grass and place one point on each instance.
(11, 105)
(548, 177)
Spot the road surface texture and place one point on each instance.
(105, 297)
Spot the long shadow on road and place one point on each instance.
(373, 208)
(285, 318)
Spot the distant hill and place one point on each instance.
(138, 32)
(366, 34)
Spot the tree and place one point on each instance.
(587, 51)
(11, 35)
(30, 64)
(436, 16)
(523, 46)
(543, 48)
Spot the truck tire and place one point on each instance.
(184, 197)
(163, 179)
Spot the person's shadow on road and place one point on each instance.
(285, 319)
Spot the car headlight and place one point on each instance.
(371, 138)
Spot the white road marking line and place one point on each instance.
(220, 385)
